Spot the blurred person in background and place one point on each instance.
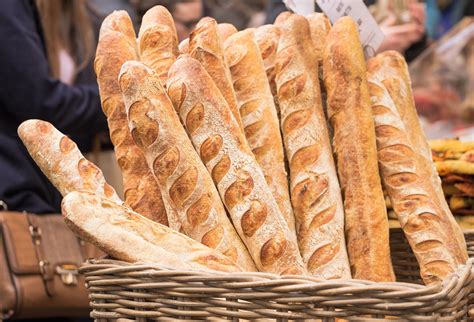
(241, 13)
(407, 38)
(186, 13)
(442, 15)
(46, 73)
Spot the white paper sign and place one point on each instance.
(370, 34)
(301, 7)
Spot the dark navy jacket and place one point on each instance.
(27, 91)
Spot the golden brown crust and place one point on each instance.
(319, 25)
(315, 191)
(429, 227)
(183, 46)
(349, 111)
(119, 21)
(126, 235)
(398, 81)
(238, 177)
(190, 197)
(158, 41)
(206, 47)
(61, 161)
(267, 38)
(226, 30)
(257, 109)
(281, 18)
(140, 189)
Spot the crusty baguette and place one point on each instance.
(115, 47)
(226, 30)
(349, 111)
(397, 80)
(61, 161)
(129, 236)
(206, 47)
(119, 21)
(315, 191)
(267, 38)
(183, 46)
(319, 25)
(158, 40)
(259, 116)
(281, 18)
(239, 179)
(192, 202)
(429, 228)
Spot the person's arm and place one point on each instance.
(27, 90)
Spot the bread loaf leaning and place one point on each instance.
(282, 17)
(183, 46)
(397, 80)
(225, 31)
(192, 202)
(267, 38)
(205, 46)
(237, 175)
(319, 26)
(315, 191)
(114, 48)
(349, 111)
(128, 236)
(259, 116)
(61, 161)
(428, 227)
(158, 40)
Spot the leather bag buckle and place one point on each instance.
(68, 273)
(35, 234)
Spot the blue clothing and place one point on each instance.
(439, 22)
(27, 91)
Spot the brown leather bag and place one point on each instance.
(39, 258)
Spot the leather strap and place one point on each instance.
(46, 269)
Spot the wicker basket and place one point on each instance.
(120, 290)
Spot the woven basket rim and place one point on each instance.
(95, 267)
(119, 289)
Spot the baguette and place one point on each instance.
(128, 236)
(158, 41)
(319, 26)
(183, 46)
(61, 161)
(259, 116)
(398, 81)
(267, 37)
(227, 156)
(225, 31)
(281, 18)
(349, 112)
(191, 200)
(114, 48)
(315, 191)
(429, 228)
(205, 46)
(119, 21)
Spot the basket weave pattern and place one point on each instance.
(150, 292)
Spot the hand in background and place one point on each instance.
(401, 36)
